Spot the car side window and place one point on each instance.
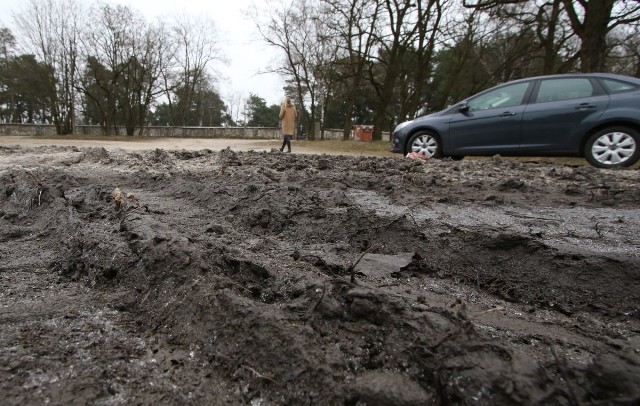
(564, 89)
(505, 96)
(616, 86)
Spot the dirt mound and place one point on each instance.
(267, 278)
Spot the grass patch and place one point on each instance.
(351, 147)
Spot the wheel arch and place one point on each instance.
(614, 123)
(417, 130)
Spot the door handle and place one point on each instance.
(585, 106)
(508, 114)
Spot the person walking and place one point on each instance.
(288, 116)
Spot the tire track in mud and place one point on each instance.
(64, 337)
(183, 306)
(503, 249)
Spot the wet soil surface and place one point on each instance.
(261, 278)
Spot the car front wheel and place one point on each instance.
(425, 143)
(613, 147)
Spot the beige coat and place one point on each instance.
(288, 116)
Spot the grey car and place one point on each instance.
(595, 116)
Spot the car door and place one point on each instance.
(559, 114)
(489, 123)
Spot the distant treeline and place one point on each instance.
(345, 62)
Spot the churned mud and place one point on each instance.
(261, 278)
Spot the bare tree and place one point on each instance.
(52, 29)
(354, 23)
(153, 57)
(555, 46)
(235, 106)
(591, 20)
(625, 55)
(555, 38)
(7, 48)
(407, 27)
(464, 32)
(126, 57)
(419, 59)
(7, 43)
(324, 53)
(196, 44)
(293, 28)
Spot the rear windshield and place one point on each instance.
(616, 86)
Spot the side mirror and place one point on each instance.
(464, 108)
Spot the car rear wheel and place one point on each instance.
(425, 143)
(613, 147)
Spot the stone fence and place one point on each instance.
(163, 131)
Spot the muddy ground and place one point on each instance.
(261, 278)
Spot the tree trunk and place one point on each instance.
(348, 120)
(595, 35)
(548, 41)
(592, 30)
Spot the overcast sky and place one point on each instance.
(240, 43)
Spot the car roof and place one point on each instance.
(601, 75)
(581, 74)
